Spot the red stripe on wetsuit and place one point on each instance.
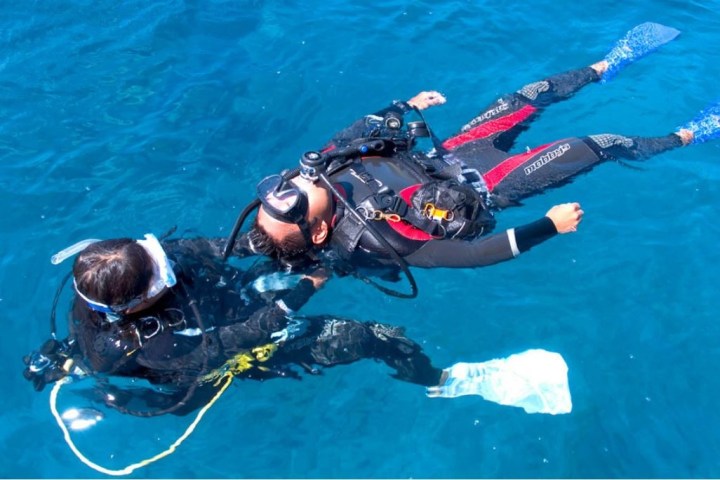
(498, 173)
(492, 127)
(492, 178)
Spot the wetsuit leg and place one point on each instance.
(500, 124)
(551, 165)
(332, 341)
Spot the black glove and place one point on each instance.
(47, 365)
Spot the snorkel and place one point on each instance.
(161, 278)
(61, 362)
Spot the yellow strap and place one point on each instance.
(264, 352)
(241, 362)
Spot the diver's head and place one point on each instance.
(293, 217)
(122, 275)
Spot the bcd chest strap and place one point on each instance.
(440, 208)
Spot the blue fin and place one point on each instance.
(706, 125)
(637, 43)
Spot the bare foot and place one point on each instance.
(685, 135)
(600, 67)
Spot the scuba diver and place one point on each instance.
(175, 314)
(369, 199)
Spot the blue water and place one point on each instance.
(119, 118)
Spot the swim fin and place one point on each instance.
(637, 43)
(706, 125)
(535, 380)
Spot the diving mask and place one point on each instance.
(284, 202)
(163, 276)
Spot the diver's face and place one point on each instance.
(319, 214)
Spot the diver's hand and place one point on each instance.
(47, 365)
(566, 217)
(423, 100)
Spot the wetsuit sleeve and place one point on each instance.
(484, 250)
(288, 290)
(178, 358)
(297, 297)
(104, 349)
(257, 330)
(204, 247)
(367, 126)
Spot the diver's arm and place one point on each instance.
(103, 347)
(272, 322)
(294, 299)
(371, 125)
(256, 330)
(271, 284)
(484, 250)
(367, 125)
(200, 246)
(52, 361)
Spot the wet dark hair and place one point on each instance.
(113, 272)
(291, 246)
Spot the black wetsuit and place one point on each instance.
(166, 346)
(480, 153)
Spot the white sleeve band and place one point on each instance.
(283, 306)
(513, 242)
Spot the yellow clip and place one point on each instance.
(241, 362)
(430, 211)
(264, 352)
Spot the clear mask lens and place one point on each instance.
(281, 199)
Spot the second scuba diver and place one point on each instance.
(369, 199)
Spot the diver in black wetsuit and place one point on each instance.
(436, 209)
(175, 314)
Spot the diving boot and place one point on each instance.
(638, 42)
